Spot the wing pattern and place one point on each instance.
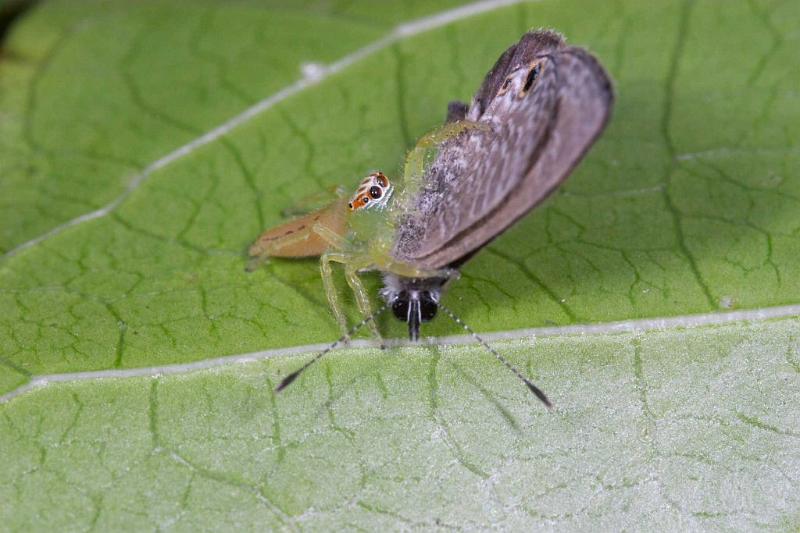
(540, 107)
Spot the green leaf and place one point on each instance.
(685, 210)
(688, 429)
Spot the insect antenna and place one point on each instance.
(533, 388)
(293, 376)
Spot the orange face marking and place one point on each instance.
(373, 191)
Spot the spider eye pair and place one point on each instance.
(373, 188)
(362, 200)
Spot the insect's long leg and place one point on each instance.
(330, 291)
(533, 388)
(293, 376)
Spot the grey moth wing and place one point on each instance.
(542, 106)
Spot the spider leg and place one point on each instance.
(263, 249)
(307, 236)
(352, 264)
(336, 242)
(362, 298)
(313, 202)
(330, 289)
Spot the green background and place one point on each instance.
(687, 204)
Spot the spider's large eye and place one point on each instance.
(375, 192)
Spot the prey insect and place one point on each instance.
(536, 114)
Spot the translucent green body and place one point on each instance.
(365, 241)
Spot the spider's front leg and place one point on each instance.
(353, 262)
(330, 291)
